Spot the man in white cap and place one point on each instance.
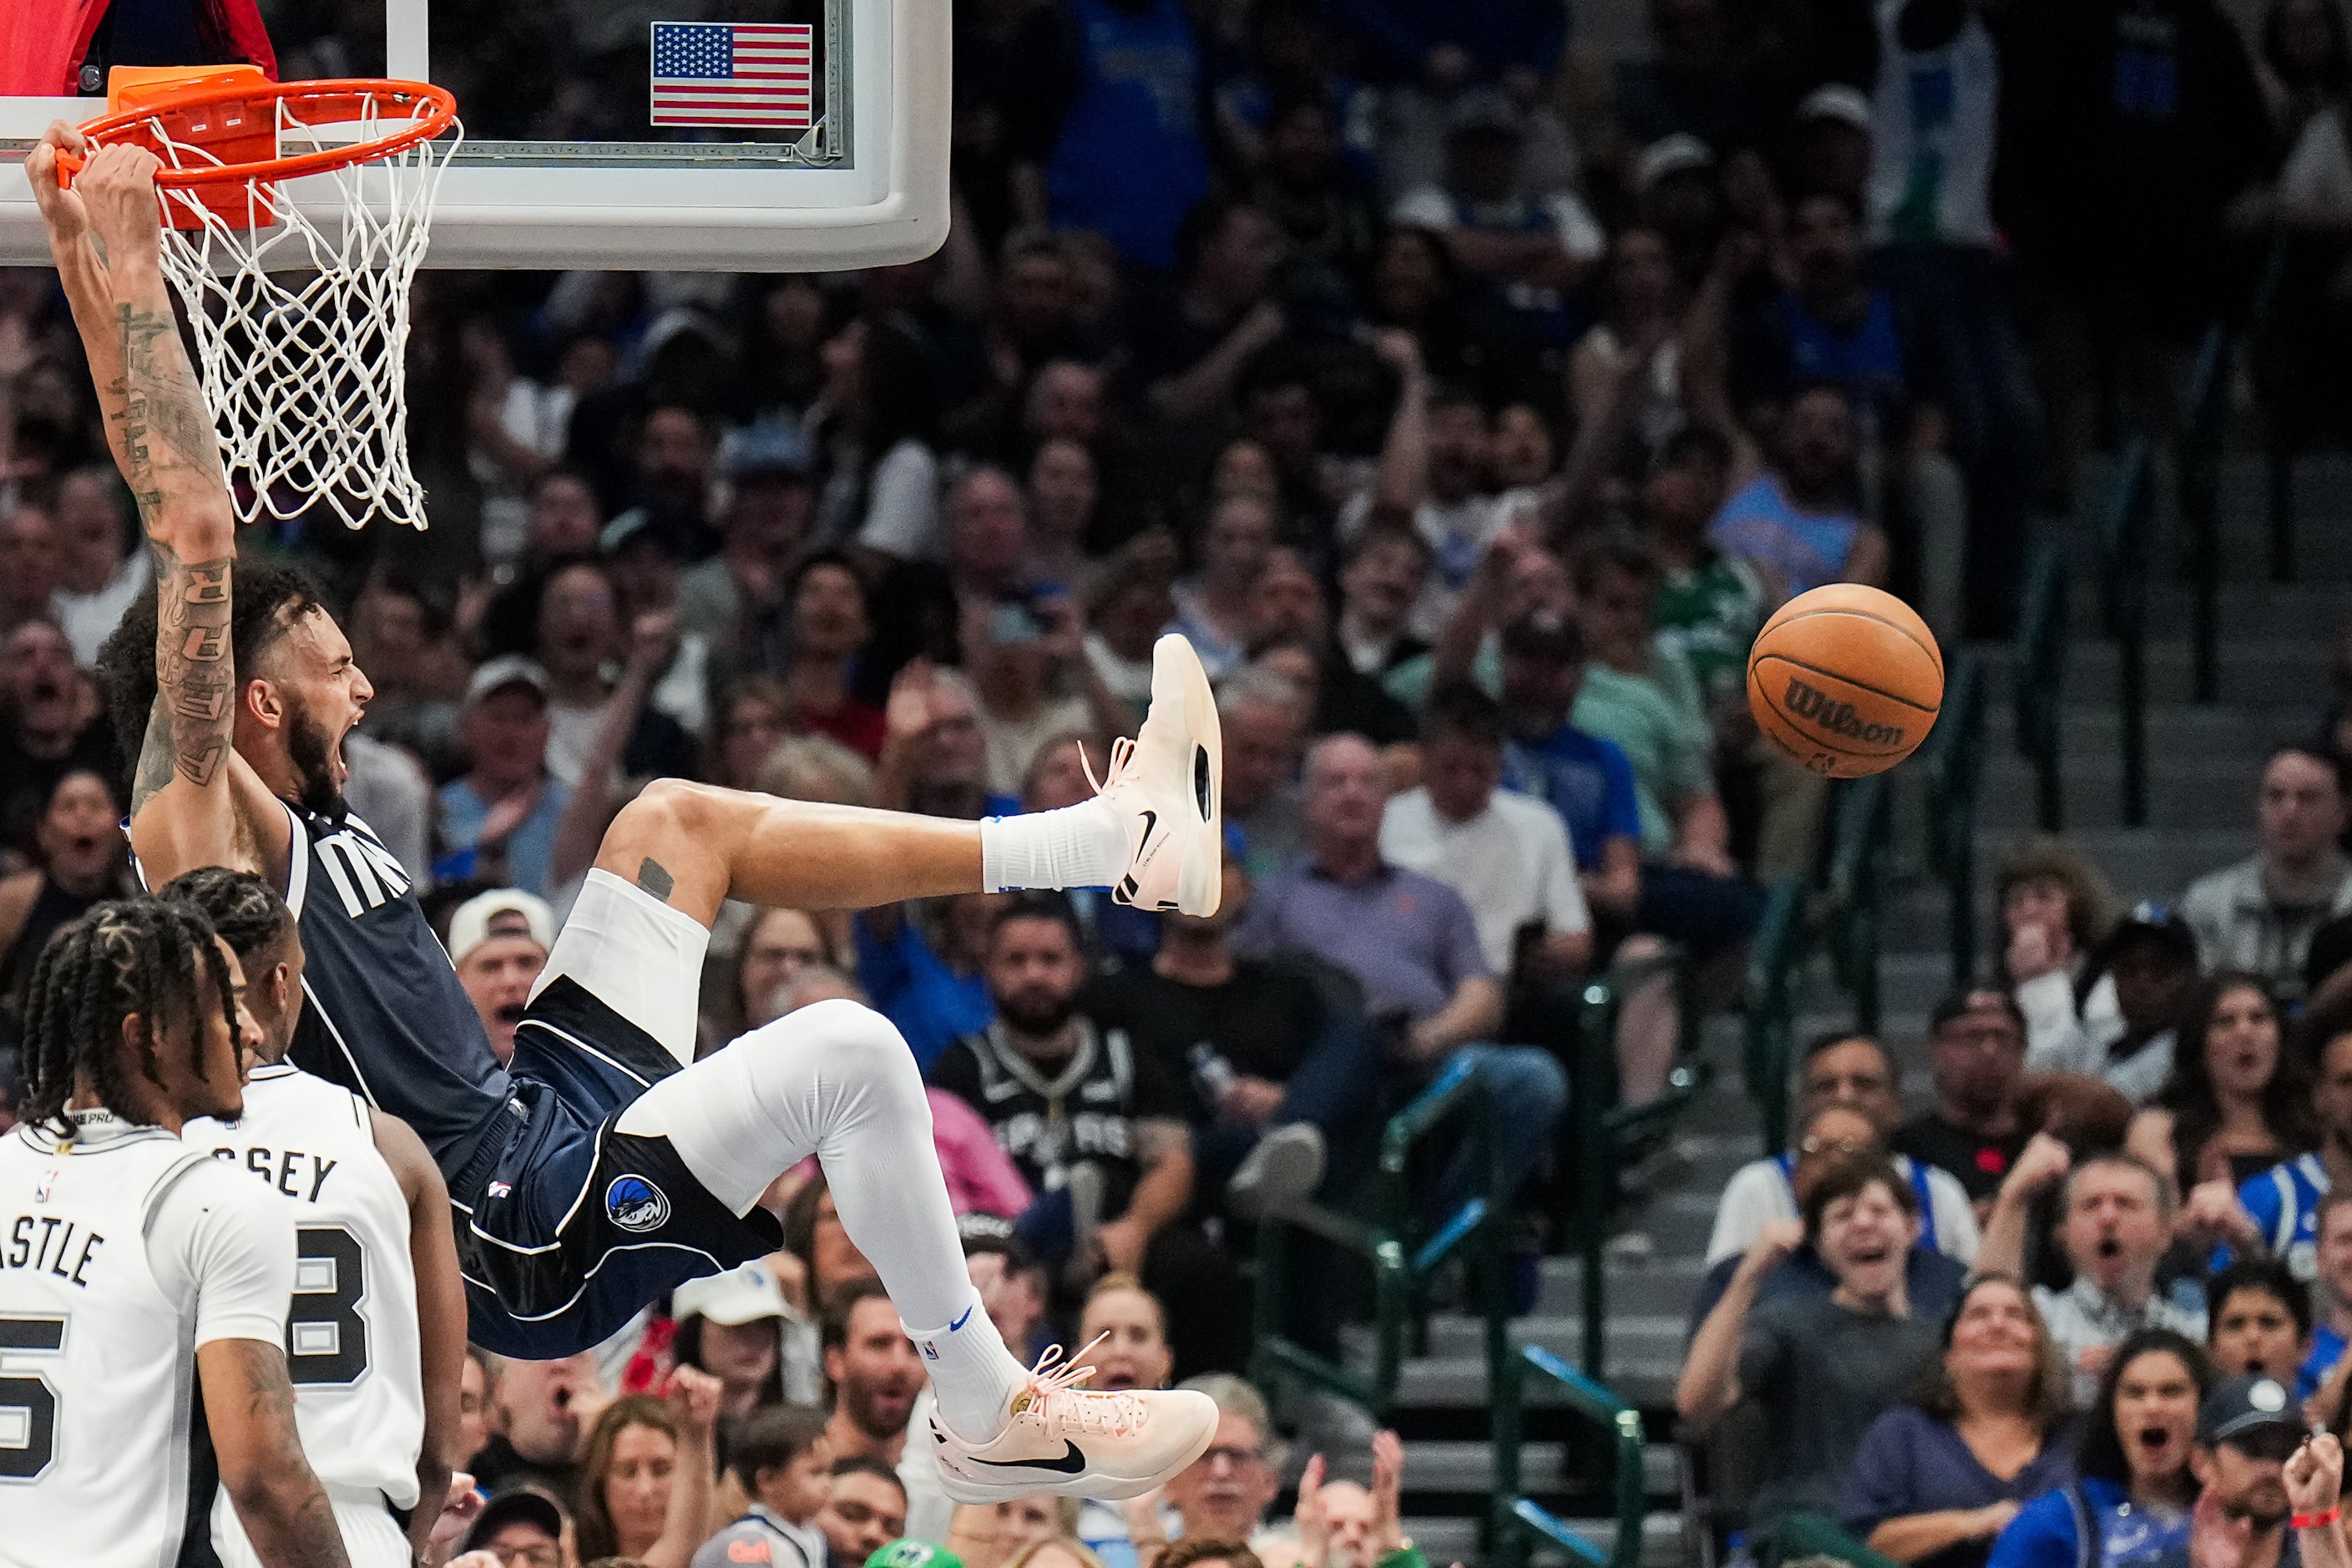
(733, 1326)
(498, 942)
(498, 819)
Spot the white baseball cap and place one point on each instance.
(743, 1295)
(501, 911)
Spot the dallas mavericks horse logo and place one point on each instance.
(634, 1204)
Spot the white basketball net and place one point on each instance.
(301, 317)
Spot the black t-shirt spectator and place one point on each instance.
(1261, 1022)
(1978, 1162)
(1050, 1117)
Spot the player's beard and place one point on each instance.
(309, 747)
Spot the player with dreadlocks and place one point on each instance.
(144, 1284)
(375, 1361)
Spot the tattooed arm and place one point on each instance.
(106, 235)
(249, 1408)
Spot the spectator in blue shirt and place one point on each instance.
(2330, 1334)
(1587, 780)
(2132, 1502)
(2281, 1206)
(499, 818)
(1935, 1480)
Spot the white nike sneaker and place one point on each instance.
(1166, 785)
(1066, 1440)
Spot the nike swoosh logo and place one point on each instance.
(1071, 1463)
(959, 1322)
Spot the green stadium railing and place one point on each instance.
(1800, 1535)
(2038, 673)
(1776, 952)
(1519, 1522)
(2206, 407)
(1857, 888)
(1849, 915)
(2126, 523)
(1603, 1126)
(1401, 1259)
(1952, 763)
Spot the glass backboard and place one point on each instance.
(714, 135)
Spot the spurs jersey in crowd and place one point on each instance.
(351, 1332)
(121, 1251)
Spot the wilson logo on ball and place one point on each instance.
(1836, 718)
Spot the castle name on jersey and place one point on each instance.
(53, 1243)
(299, 1175)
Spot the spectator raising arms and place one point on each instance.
(646, 1479)
(2116, 1221)
(1822, 1367)
(1935, 1480)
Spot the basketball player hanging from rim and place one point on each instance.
(605, 1169)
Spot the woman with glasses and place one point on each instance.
(2132, 1501)
(1936, 1479)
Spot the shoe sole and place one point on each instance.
(1095, 1484)
(1200, 877)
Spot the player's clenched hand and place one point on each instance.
(61, 209)
(118, 188)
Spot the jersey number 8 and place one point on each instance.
(326, 1338)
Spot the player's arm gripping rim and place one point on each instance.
(105, 235)
(440, 1314)
(249, 1407)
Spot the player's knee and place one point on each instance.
(664, 806)
(851, 1040)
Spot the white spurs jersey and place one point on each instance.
(121, 1251)
(350, 1335)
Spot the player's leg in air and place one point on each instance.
(836, 1080)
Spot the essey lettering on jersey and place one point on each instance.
(299, 1175)
(47, 1242)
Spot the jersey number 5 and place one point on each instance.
(28, 1405)
(326, 1338)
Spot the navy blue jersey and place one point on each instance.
(383, 1012)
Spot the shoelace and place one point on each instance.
(1055, 1399)
(1121, 748)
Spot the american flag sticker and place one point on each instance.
(734, 73)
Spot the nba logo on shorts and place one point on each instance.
(634, 1204)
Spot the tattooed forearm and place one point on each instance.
(192, 723)
(167, 441)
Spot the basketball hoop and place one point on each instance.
(300, 307)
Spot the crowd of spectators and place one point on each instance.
(1469, 401)
(2031, 1315)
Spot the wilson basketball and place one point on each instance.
(1845, 679)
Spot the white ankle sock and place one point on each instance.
(1081, 845)
(973, 1376)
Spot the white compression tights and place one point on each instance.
(834, 1079)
